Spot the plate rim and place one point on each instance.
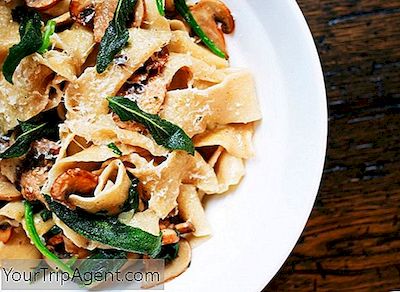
(325, 136)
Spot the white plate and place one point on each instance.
(256, 226)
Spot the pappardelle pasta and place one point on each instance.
(117, 118)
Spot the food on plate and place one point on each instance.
(117, 118)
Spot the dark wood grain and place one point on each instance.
(352, 239)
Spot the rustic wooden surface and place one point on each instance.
(352, 240)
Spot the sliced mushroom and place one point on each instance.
(166, 223)
(181, 79)
(32, 181)
(55, 240)
(110, 193)
(37, 164)
(170, 5)
(104, 13)
(41, 4)
(208, 14)
(73, 180)
(133, 256)
(82, 11)
(5, 233)
(185, 227)
(61, 7)
(45, 149)
(169, 236)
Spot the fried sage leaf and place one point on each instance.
(31, 41)
(184, 11)
(169, 252)
(116, 35)
(114, 148)
(30, 133)
(164, 133)
(132, 203)
(107, 230)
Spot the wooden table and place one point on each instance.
(352, 239)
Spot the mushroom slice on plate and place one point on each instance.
(185, 227)
(71, 181)
(169, 236)
(208, 14)
(5, 233)
(110, 193)
(58, 9)
(41, 4)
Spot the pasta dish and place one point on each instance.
(117, 118)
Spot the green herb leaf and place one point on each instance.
(45, 214)
(35, 238)
(164, 133)
(132, 203)
(116, 35)
(22, 144)
(26, 126)
(184, 11)
(48, 32)
(53, 231)
(31, 41)
(103, 262)
(114, 148)
(161, 7)
(107, 230)
(108, 254)
(169, 252)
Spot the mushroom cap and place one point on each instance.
(208, 14)
(219, 12)
(41, 4)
